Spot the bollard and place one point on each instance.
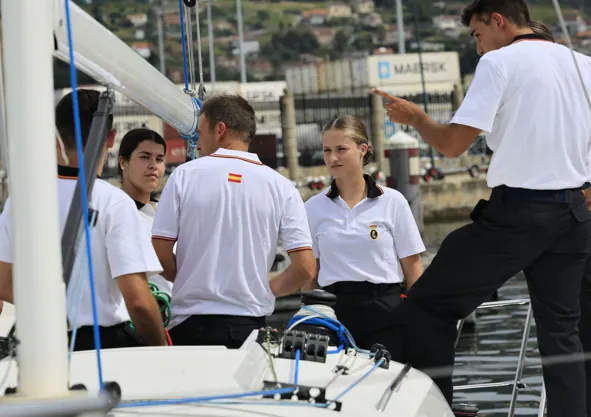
(288, 132)
(402, 150)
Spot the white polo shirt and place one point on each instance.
(147, 213)
(528, 99)
(366, 242)
(120, 245)
(227, 212)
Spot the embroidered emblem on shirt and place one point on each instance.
(373, 233)
(235, 177)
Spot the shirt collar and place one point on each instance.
(65, 172)
(230, 153)
(373, 189)
(68, 173)
(141, 205)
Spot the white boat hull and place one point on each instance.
(160, 373)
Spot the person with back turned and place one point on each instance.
(122, 256)
(529, 100)
(228, 211)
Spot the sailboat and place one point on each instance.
(271, 374)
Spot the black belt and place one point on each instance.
(557, 196)
(363, 287)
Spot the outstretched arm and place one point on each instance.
(452, 140)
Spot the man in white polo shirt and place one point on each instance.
(228, 211)
(121, 252)
(529, 99)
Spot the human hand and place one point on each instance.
(399, 110)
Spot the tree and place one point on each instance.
(340, 42)
(286, 46)
(263, 15)
(363, 42)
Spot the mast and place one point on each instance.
(39, 290)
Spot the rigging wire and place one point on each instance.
(570, 46)
(84, 192)
(201, 91)
(184, 45)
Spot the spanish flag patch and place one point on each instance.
(235, 177)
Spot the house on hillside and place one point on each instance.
(315, 16)
(249, 47)
(144, 49)
(138, 19)
(372, 20)
(363, 6)
(339, 11)
(324, 35)
(447, 22)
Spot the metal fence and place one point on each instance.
(313, 111)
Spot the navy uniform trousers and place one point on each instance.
(585, 327)
(545, 234)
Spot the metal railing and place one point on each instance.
(517, 384)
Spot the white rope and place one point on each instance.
(63, 152)
(302, 320)
(199, 45)
(318, 310)
(190, 47)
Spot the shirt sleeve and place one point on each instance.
(407, 238)
(294, 231)
(314, 235)
(168, 216)
(6, 254)
(128, 243)
(484, 98)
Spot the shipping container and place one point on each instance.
(359, 74)
(342, 74)
(329, 69)
(440, 69)
(176, 152)
(396, 69)
(321, 77)
(302, 79)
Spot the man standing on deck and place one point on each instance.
(227, 211)
(121, 251)
(527, 97)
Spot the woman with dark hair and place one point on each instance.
(141, 167)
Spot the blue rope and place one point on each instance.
(275, 403)
(355, 383)
(84, 193)
(334, 352)
(151, 403)
(296, 372)
(332, 324)
(340, 328)
(193, 139)
(183, 42)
